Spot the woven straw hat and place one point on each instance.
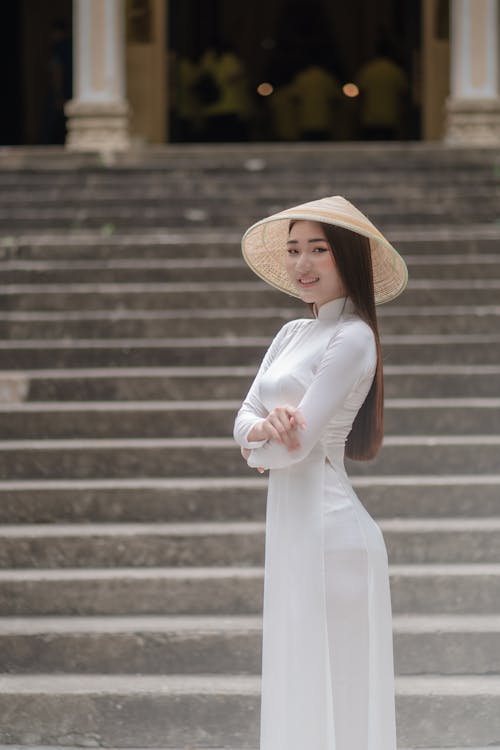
(264, 245)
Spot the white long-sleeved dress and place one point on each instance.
(327, 648)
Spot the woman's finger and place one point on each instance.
(282, 427)
(298, 418)
(283, 419)
(287, 434)
(272, 432)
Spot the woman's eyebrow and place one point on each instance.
(318, 239)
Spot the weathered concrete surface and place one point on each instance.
(132, 532)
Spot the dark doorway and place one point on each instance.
(11, 122)
(36, 50)
(273, 40)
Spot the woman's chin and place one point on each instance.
(308, 295)
(307, 292)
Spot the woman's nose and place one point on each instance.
(303, 262)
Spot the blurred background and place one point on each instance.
(138, 141)
(205, 70)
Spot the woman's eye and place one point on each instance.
(292, 250)
(321, 249)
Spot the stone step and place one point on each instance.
(423, 243)
(155, 644)
(138, 271)
(124, 591)
(232, 498)
(231, 382)
(240, 543)
(37, 161)
(179, 711)
(125, 220)
(415, 589)
(161, 457)
(147, 645)
(155, 711)
(322, 168)
(263, 176)
(202, 269)
(233, 322)
(192, 747)
(85, 545)
(203, 418)
(243, 202)
(320, 174)
(210, 296)
(139, 189)
(452, 644)
(247, 186)
(155, 246)
(462, 349)
(238, 213)
(214, 457)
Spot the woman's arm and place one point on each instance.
(349, 356)
(252, 411)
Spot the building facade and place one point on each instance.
(124, 54)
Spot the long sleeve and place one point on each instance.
(252, 410)
(350, 354)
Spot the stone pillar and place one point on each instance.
(98, 112)
(435, 68)
(473, 106)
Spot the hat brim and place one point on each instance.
(264, 249)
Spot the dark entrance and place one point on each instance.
(273, 42)
(36, 63)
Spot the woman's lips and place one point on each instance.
(308, 280)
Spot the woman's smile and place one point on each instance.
(308, 280)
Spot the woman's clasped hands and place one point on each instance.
(281, 424)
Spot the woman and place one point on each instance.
(327, 653)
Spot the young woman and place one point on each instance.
(327, 651)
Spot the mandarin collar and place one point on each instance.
(332, 310)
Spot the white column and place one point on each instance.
(98, 112)
(473, 106)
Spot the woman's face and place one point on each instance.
(310, 264)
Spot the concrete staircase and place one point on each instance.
(132, 533)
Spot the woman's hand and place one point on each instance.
(281, 424)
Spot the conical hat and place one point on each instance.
(264, 245)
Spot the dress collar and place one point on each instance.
(334, 308)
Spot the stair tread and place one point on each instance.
(225, 442)
(225, 404)
(434, 623)
(195, 527)
(204, 747)
(248, 571)
(258, 313)
(238, 482)
(215, 683)
(229, 370)
(232, 341)
(211, 286)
